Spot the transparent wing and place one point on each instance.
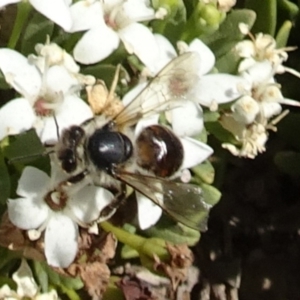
(170, 85)
(183, 202)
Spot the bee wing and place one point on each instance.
(182, 201)
(169, 86)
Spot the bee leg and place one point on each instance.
(111, 208)
(77, 178)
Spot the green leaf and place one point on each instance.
(168, 230)
(41, 275)
(283, 34)
(205, 172)
(229, 34)
(266, 12)
(287, 10)
(3, 84)
(172, 25)
(4, 181)
(220, 132)
(288, 162)
(128, 253)
(36, 32)
(211, 194)
(210, 116)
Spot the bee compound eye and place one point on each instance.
(159, 150)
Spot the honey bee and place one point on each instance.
(107, 150)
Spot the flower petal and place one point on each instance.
(27, 213)
(55, 10)
(148, 212)
(89, 202)
(61, 241)
(166, 53)
(95, 45)
(195, 152)
(138, 39)
(16, 116)
(86, 15)
(206, 56)
(73, 111)
(59, 80)
(27, 287)
(218, 88)
(187, 119)
(138, 10)
(22, 76)
(32, 182)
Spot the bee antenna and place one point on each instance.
(57, 127)
(29, 157)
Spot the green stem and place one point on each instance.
(23, 11)
(142, 245)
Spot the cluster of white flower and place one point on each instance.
(252, 115)
(50, 85)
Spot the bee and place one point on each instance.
(107, 150)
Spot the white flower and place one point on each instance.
(26, 286)
(209, 89)
(260, 48)
(108, 22)
(45, 203)
(260, 87)
(53, 92)
(251, 114)
(251, 138)
(55, 10)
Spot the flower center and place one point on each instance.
(56, 200)
(41, 109)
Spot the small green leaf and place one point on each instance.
(288, 162)
(229, 33)
(36, 32)
(287, 10)
(283, 34)
(41, 275)
(205, 172)
(220, 132)
(211, 194)
(266, 12)
(168, 230)
(210, 116)
(4, 181)
(128, 252)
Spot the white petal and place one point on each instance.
(61, 241)
(24, 77)
(148, 212)
(195, 152)
(270, 109)
(55, 10)
(137, 10)
(73, 111)
(95, 45)
(6, 2)
(187, 119)
(261, 72)
(218, 88)
(89, 202)
(86, 15)
(32, 182)
(133, 93)
(16, 116)
(206, 56)
(138, 39)
(27, 213)
(59, 80)
(166, 53)
(27, 287)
